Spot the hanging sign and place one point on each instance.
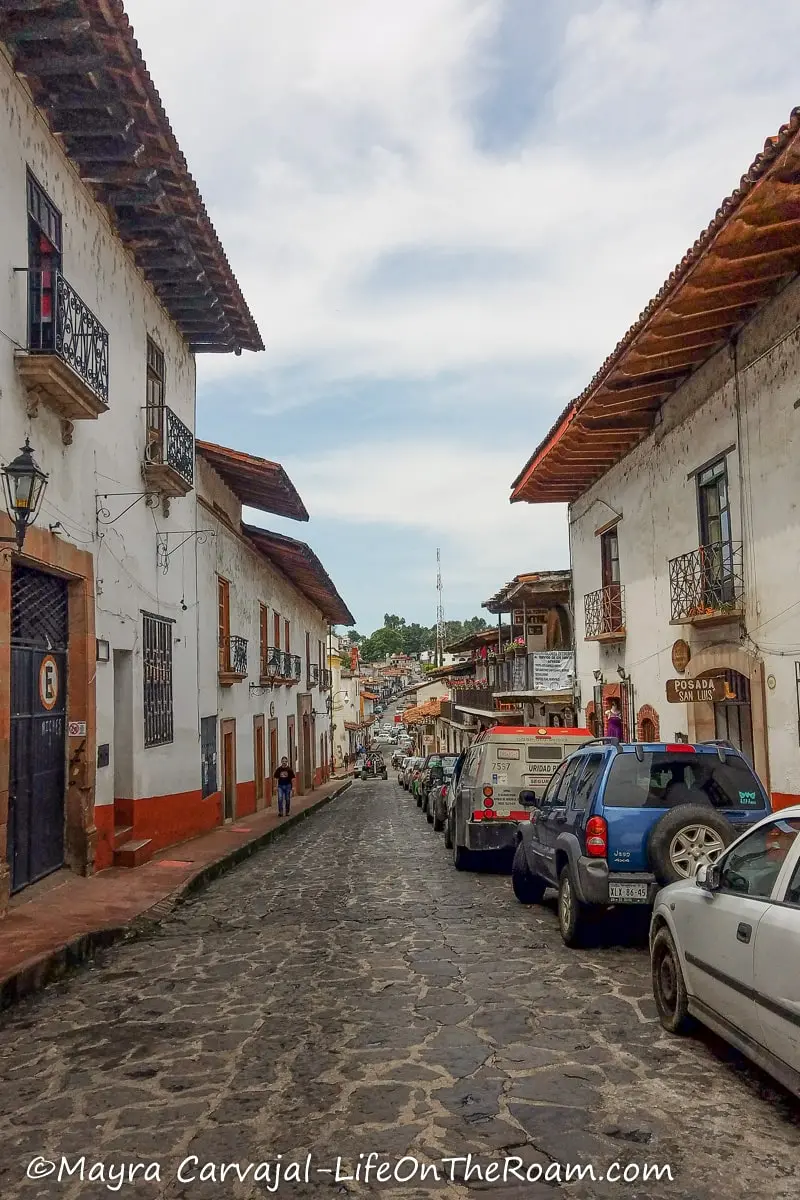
(553, 671)
(681, 653)
(704, 688)
(48, 682)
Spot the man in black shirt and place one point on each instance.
(285, 778)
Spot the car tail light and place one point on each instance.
(477, 816)
(680, 748)
(488, 802)
(596, 837)
(487, 791)
(488, 814)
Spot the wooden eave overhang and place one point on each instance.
(536, 589)
(750, 251)
(300, 565)
(87, 75)
(256, 482)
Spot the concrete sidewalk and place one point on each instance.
(60, 922)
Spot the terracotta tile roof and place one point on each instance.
(750, 250)
(423, 712)
(256, 482)
(299, 563)
(87, 75)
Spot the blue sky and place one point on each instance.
(444, 214)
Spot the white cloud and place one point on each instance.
(448, 493)
(347, 126)
(327, 135)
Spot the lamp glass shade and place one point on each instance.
(23, 483)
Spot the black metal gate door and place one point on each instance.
(38, 725)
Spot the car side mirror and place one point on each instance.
(708, 877)
(528, 799)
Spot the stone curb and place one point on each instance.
(37, 973)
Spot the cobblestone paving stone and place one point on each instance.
(347, 991)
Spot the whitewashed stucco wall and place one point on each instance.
(105, 455)
(655, 491)
(253, 581)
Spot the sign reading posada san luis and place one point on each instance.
(690, 691)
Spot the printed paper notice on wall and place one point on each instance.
(76, 729)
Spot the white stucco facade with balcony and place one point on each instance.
(747, 418)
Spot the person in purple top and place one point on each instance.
(613, 720)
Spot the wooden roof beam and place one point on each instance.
(741, 269)
(695, 302)
(35, 26)
(662, 344)
(712, 320)
(663, 360)
(51, 66)
(766, 238)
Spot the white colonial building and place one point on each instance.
(679, 466)
(114, 280)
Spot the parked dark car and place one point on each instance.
(439, 777)
(617, 821)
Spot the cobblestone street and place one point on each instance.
(348, 991)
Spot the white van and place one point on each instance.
(485, 806)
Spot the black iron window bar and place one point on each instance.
(605, 610)
(313, 674)
(706, 582)
(157, 681)
(61, 323)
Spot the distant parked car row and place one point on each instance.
(682, 832)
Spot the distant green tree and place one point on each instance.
(381, 644)
(392, 621)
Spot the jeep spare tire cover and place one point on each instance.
(685, 837)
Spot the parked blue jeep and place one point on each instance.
(617, 821)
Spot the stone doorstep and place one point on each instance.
(32, 973)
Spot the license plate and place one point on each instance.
(627, 893)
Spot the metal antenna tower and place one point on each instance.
(439, 612)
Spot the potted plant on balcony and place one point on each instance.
(519, 646)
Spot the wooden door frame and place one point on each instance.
(260, 784)
(226, 726)
(272, 727)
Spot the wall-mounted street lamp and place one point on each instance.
(24, 484)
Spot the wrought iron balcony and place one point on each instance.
(605, 614)
(232, 660)
(169, 455)
(325, 679)
(706, 586)
(313, 674)
(65, 363)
